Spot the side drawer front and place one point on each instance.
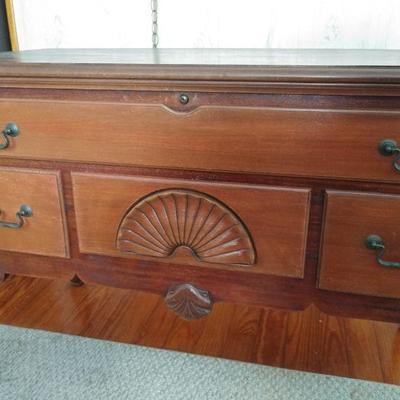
(347, 264)
(43, 233)
(259, 229)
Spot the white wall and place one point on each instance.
(209, 23)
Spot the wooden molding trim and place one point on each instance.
(259, 87)
(271, 71)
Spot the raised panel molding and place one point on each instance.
(162, 223)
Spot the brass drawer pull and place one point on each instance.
(388, 148)
(11, 130)
(24, 212)
(375, 242)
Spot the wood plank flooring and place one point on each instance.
(308, 341)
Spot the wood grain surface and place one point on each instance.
(276, 219)
(307, 341)
(261, 71)
(346, 264)
(312, 65)
(313, 143)
(45, 232)
(225, 285)
(169, 221)
(345, 91)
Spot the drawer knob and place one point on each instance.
(375, 242)
(389, 148)
(11, 130)
(24, 211)
(184, 98)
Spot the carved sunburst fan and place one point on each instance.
(165, 221)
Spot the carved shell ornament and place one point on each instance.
(162, 222)
(189, 301)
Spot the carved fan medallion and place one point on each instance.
(162, 222)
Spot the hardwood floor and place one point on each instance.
(308, 341)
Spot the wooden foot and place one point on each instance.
(76, 281)
(3, 276)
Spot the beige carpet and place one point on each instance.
(39, 365)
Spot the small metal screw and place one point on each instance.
(184, 98)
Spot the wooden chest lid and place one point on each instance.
(263, 68)
(211, 63)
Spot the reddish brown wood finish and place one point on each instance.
(300, 71)
(169, 222)
(309, 340)
(351, 105)
(45, 232)
(276, 220)
(314, 143)
(244, 288)
(188, 301)
(346, 264)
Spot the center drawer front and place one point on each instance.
(44, 232)
(258, 229)
(226, 138)
(347, 264)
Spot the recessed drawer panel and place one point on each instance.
(259, 229)
(32, 214)
(361, 244)
(318, 143)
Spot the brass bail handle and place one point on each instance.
(24, 211)
(11, 130)
(375, 242)
(389, 148)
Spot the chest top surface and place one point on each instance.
(318, 66)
